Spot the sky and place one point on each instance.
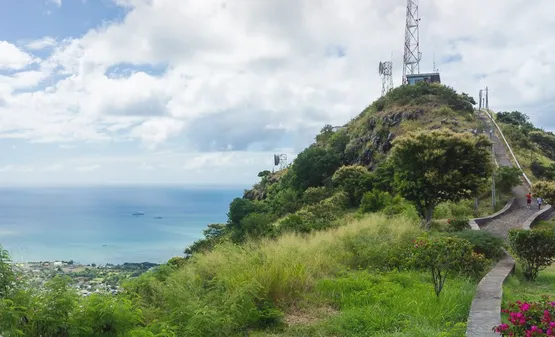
(205, 92)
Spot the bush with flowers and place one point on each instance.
(443, 256)
(529, 319)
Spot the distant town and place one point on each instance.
(87, 279)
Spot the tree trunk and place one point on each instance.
(427, 221)
(476, 207)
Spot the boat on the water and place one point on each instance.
(157, 217)
(138, 213)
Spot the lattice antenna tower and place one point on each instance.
(386, 72)
(411, 55)
(280, 160)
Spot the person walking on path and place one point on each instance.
(539, 200)
(528, 200)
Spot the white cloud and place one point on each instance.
(237, 167)
(56, 2)
(11, 57)
(42, 43)
(258, 75)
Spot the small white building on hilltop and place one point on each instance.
(57, 264)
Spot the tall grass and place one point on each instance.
(235, 288)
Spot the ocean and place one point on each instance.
(96, 225)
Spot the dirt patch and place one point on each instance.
(308, 316)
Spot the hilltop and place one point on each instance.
(367, 138)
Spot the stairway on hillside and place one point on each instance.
(516, 217)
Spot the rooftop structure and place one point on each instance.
(429, 77)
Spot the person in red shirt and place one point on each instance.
(528, 200)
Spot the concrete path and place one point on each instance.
(516, 217)
(485, 311)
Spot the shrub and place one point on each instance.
(546, 190)
(375, 201)
(400, 206)
(535, 250)
(529, 319)
(314, 195)
(507, 177)
(316, 217)
(443, 256)
(483, 243)
(313, 167)
(354, 180)
(457, 225)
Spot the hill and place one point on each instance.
(366, 139)
(533, 146)
(326, 247)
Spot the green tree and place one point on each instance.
(354, 180)
(325, 133)
(313, 167)
(264, 174)
(535, 249)
(468, 98)
(442, 256)
(285, 201)
(516, 118)
(507, 177)
(383, 176)
(546, 190)
(238, 209)
(7, 275)
(254, 225)
(313, 195)
(375, 201)
(436, 166)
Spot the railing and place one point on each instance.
(509, 147)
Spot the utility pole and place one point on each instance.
(493, 201)
(480, 100)
(487, 99)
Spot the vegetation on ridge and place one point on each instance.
(332, 245)
(533, 147)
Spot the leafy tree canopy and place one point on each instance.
(439, 165)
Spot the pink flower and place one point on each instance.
(525, 307)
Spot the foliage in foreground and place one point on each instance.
(534, 249)
(256, 286)
(444, 256)
(529, 318)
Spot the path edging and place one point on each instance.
(540, 215)
(485, 310)
(476, 223)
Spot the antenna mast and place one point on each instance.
(412, 55)
(386, 72)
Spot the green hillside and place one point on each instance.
(333, 245)
(533, 147)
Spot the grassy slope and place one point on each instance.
(330, 284)
(525, 149)
(326, 284)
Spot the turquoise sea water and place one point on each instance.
(96, 225)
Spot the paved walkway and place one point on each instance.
(485, 312)
(516, 217)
